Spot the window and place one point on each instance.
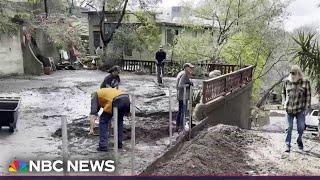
(96, 39)
(169, 36)
(176, 32)
(315, 113)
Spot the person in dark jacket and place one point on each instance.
(113, 79)
(161, 56)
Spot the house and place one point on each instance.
(169, 21)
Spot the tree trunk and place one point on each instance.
(266, 95)
(107, 40)
(71, 7)
(46, 8)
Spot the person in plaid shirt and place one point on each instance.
(297, 101)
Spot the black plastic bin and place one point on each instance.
(9, 112)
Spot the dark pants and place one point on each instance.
(160, 72)
(123, 104)
(181, 113)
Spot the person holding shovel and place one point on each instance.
(183, 81)
(107, 98)
(161, 56)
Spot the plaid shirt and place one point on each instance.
(297, 95)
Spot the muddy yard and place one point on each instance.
(45, 100)
(228, 150)
(221, 149)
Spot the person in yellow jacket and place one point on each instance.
(107, 98)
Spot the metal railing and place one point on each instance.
(224, 84)
(224, 68)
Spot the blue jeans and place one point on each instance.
(181, 113)
(301, 118)
(123, 104)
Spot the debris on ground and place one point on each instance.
(217, 150)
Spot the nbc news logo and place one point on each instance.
(18, 166)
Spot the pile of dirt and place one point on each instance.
(217, 150)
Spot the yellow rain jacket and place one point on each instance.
(106, 96)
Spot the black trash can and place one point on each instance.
(9, 112)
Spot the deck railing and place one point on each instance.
(224, 84)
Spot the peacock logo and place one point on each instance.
(18, 166)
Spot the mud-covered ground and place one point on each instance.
(217, 150)
(45, 100)
(269, 156)
(228, 150)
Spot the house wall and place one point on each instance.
(11, 61)
(93, 21)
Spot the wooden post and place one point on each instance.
(190, 111)
(65, 152)
(115, 130)
(184, 105)
(133, 133)
(170, 115)
(319, 127)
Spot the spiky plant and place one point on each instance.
(307, 53)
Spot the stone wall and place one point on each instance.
(32, 65)
(11, 60)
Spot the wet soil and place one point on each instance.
(45, 100)
(228, 150)
(215, 151)
(149, 128)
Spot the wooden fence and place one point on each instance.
(150, 66)
(224, 84)
(138, 65)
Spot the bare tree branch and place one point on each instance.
(266, 72)
(266, 95)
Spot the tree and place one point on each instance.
(231, 17)
(244, 32)
(120, 6)
(307, 53)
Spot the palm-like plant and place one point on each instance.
(307, 53)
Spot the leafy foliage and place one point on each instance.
(60, 31)
(307, 53)
(6, 25)
(190, 48)
(243, 34)
(141, 36)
